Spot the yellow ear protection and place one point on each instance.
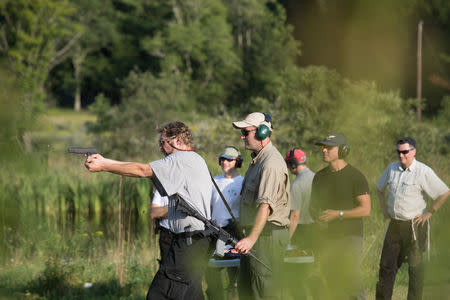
(239, 158)
(263, 130)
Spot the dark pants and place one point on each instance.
(255, 281)
(303, 236)
(165, 240)
(180, 273)
(401, 244)
(339, 261)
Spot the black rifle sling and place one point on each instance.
(223, 199)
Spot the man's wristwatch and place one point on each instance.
(431, 210)
(341, 214)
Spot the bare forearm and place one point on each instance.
(98, 163)
(294, 216)
(362, 210)
(130, 169)
(260, 221)
(440, 201)
(382, 200)
(159, 212)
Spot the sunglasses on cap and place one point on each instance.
(245, 132)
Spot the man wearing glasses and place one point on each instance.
(405, 239)
(339, 200)
(181, 174)
(264, 208)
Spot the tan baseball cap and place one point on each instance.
(254, 119)
(230, 152)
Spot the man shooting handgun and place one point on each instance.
(182, 173)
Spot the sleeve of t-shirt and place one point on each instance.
(156, 198)
(361, 187)
(159, 200)
(383, 180)
(433, 185)
(168, 171)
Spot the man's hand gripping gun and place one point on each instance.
(84, 151)
(215, 229)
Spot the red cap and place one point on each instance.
(296, 154)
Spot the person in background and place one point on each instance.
(339, 200)
(298, 279)
(263, 211)
(300, 230)
(405, 241)
(230, 184)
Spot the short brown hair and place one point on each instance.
(178, 129)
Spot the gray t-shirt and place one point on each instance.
(301, 194)
(185, 174)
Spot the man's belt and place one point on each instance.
(195, 235)
(268, 228)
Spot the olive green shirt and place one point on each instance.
(266, 181)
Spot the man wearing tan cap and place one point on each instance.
(264, 209)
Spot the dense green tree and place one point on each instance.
(98, 31)
(266, 46)
(197, 41)
(36, 35)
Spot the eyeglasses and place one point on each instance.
(163, 141)
(326, 147)
(245, 132)
(404, 152)
(227, 159)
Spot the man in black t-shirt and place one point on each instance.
(339, 199)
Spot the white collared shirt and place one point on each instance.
(407, 189)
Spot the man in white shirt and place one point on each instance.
(230, 184)
(407, 210)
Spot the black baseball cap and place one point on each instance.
(334, 139)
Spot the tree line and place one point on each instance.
(142, 63)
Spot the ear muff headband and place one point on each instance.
(292, 162)
(263, 130)
(344, 150)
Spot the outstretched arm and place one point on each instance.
(97, 163)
